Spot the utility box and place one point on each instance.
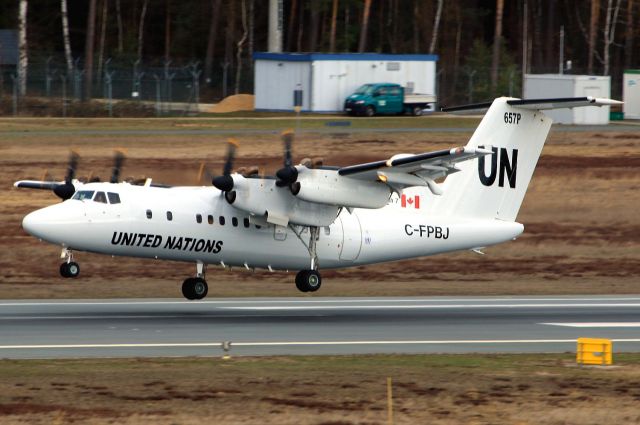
(544, 86)
(326, 79)
(594, 351)
(631, 94)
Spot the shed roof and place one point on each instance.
(310, 57)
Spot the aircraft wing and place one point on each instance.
(406, 170)
(37, 184)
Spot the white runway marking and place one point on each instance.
(432, 306)
(298, 343)
(308, 301)
(597, 325)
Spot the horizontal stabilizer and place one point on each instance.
(538, 104)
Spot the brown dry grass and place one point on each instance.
(580, 216)
(445, 389)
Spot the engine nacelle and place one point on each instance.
(328, 187)
(268, 202)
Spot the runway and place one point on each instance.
(269, 326)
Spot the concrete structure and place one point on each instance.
(631, 94)
(327, 79)
(540, 86)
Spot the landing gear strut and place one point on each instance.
(310, 280)
(196, 288)
(68, 268)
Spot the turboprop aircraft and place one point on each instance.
(306, 218)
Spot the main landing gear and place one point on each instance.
(196, 288)
(310, 280)
(68, 268)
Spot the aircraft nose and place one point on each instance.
(33, 223)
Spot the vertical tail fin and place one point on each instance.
(494, 186)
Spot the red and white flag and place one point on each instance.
(408, 201)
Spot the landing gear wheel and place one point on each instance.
(308, 280)
(71, 269)
(194, 288)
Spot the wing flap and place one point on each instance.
(405, 170)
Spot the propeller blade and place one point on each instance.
(231, 154)
(118, 160)
(71, 167)
(225, 181)
(287, 138)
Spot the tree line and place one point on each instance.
(485, 40)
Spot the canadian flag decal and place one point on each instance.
(408, 201)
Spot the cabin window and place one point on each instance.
(83, 194)
(169, 215)
(149, 214)
(210, 219)
(221, 220)
(234, 221)
(114, 198)
(199, 218)
(100, 197)
(246, 222)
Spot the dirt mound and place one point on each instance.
(237, 102)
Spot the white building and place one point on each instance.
(631, 94)
(543, 86)
(327, 79)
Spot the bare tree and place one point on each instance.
(628, 38)
(23, 60)
(436, 26)
(119, 20)
(593, 29)
(334, 19)
(315, 24)
(211, 42)
(103, 27)
(88, 50)
(497, 41)
(167, 31)
(365, 24)
(65, 36)
(611, 20)
(243, 15)
(292, 19)
(143, 13)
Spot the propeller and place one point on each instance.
(66, 190)
(225, 181)
(288, 174)
(118, 160)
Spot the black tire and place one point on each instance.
(73, 269)
(416, 111)
(187, 289)
(300, 281)
(200, 288)
(369, 111)
(313, 280)
(63, 270)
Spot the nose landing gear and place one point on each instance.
(68, 268)
(196, 288)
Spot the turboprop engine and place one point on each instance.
(266, 202)
(328, 187)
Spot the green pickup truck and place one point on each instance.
(385, 99)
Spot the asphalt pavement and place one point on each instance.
(313, 325)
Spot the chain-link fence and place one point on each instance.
(118, 89)
(167, 88)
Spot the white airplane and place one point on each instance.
(310, 218)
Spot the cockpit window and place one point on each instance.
(114, 198)
(100, 197)
(81, 195)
